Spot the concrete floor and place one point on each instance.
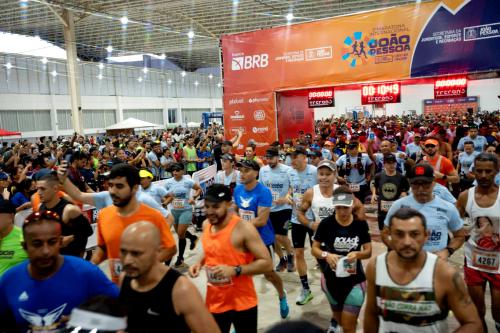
(318, 310)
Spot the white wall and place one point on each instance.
(412, 97)
(118, 103)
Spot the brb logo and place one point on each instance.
(242, 62)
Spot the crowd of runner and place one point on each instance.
(433, 180)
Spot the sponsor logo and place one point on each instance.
(235, 101)
(260, 130)
(245, 62)
(491, 30)
(259, 115)
(258, 100)
(356, 50)
(237, 116)
(236, 130)
(319, 53)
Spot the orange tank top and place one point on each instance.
(238, 293)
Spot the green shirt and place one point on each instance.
(11, 250)
(191, 155)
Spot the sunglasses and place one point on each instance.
(430, 146)
(42, 215)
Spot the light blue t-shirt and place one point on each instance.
(278, 181)
(479, 142)
(156, 192)
(440, 215)
(103, 200)
(180, 190)
(248, 203)
(466, 161)
(354, 176)
(221, 178)
(327, 155)
(412, 148)
(301, 182)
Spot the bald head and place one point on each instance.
(142, 232)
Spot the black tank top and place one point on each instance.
(76, 227)
(152, 311)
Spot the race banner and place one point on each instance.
(205, 177)
(415, 40)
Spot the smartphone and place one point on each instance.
(371, 136)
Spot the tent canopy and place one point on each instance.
(8, 133)
(133, 123)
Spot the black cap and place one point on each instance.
(422, 171)
(472, 126)
(6, 207)
(299, 150)
(218, 193)
(272, 152)
(41, 173)
(352, 145)
(251, 164)
(3, 176)
(177, 167)
(315, 153)
(389, 158)
(228, 157)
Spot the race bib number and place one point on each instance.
(178, 203)
(385, 205)
(247, 215)
(354, 187)
(115, 267)
(297, 198)
(215, 280)
(276, 195)
(485, 260)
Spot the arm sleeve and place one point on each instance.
(340, 161)
(101, 199)
(266, 197)
(364, 236)
(455, 222)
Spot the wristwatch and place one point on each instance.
(444, 177)
(324, 254)
(237, 269)
(450, 250)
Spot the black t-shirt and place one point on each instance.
(389, 188)
(341, 240)
(217, 156)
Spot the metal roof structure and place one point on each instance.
(162, 26)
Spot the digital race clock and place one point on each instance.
(381, 93)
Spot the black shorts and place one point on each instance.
(280, 220)
(299, 233)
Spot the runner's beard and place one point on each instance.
(218, 219)
(122, 201)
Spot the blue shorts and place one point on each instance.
(353, 302)
(182, 216)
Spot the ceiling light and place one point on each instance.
(124, 20)
(169, 81)
(99, 76)
(44, 61)
(53, 73)
(163, 56)
(196, 83)
(101, 65)
(23, 1)
(139, 79)
(109, 48)
(289, 17)
(183, 73)
(145, 70)
(190, 34)
(8, 65)
(218, 85)
(210, 76)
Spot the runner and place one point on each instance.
(444, 171)
(123, 185)
(37, 294)
(479, 141)
(190, 156)
(76, 228)
(355, 171)
(178, 194)
(340, 243)
(233, 251)
(441, 216)
(155, 295)
(388, 186)
(276, 177)
(303, 177)
(11, 238)
(482, 250)
(157, 192)
(228, 176)
(253, 201)
(465, 160)
(409, 289)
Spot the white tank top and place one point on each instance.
(482, 250)
(321, 207)
(412, 307)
